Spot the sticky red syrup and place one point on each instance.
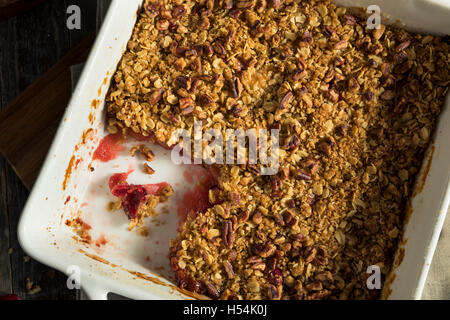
(109, 148)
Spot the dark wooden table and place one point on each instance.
(31, 43)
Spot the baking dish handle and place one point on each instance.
(95, 292)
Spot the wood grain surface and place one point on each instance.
(29, 122)
(30, 44)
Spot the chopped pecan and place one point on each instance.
(187, 110)
(350, 19)
(276, 183)
(243, 216)
(235, 13)
(339, 61)
(301, 175)
(326, 145)
(185, 103)
(310, 254)
(237, 87)
(274, 276)
(257, 217)
(286, 100)
(237, 111)
(328, 31)
(212, 290)
(228, 269)
(378, 32)
(227, 233)
(402, 46)
(306, 39)
(340, 45)
(275, 3)
(230, 37)
(183, 82)
(268, 250)
(219, 49)
(342, 129)
(228, 4)
(298, 74)
(162, 25)
(369, 95)
(204, 99)
(403, 67)
(156, 96)
(291, 143)
(254, 169)
(332, 95)
(353, 84)
(148, 169)
(245, 4)
(273, 292)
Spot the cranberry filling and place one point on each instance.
(132, 196)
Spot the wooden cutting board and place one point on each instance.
(29, 123)
(11, 8)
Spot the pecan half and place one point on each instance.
(228, 269)
(183, 82)
(236, 87)
(286, 100)
(212, 290)
(301, 175)
(402, 46)
(227, 233)
(156, 96)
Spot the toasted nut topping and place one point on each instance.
(402, 46)
(286, 100)
(148, 169)
(341, 45)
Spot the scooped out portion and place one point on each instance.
(138, 201)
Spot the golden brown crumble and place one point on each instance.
(355, 108)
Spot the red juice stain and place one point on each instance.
(196, 199)
(101, 241)
(109, 148)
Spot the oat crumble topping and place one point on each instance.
(355, 108)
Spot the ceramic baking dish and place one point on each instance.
(137, 267)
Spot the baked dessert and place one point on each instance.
(355, 108)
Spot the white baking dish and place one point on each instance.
(121, 266)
